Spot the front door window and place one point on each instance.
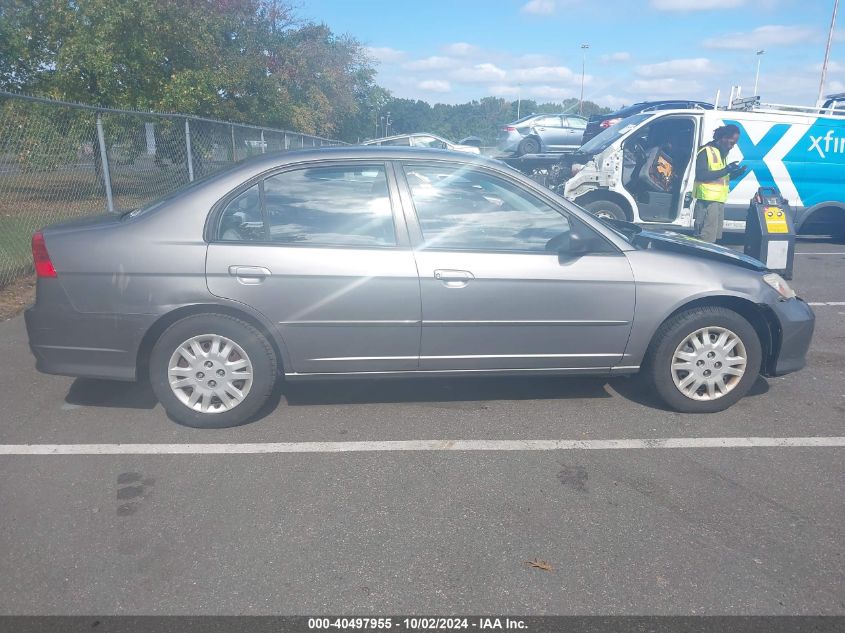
(466, 209)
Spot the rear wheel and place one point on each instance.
(704, 360)
(605, 209)
(528, 145)
(212, 371)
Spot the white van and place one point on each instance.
(642, 169)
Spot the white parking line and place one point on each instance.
(812, 253)
(420, 445)
(826, 303)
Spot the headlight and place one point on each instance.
(779, 284)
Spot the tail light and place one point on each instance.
(608, 122)
(508, 128)
(43, 266)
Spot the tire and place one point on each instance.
(244, 392)
(528, 145)
(606, 209)
(672, 342)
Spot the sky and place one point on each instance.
(452, 51)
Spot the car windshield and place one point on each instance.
(611, 134)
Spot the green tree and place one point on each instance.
(239, 60)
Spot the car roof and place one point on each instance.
(528, 117)
(258, 164)
(409, 135)
(644, 104)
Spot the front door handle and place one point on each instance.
(249, 274)
(453, 278)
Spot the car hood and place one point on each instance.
(670, 241)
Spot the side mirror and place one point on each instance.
(578, 244)
(568, 245)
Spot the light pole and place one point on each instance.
(827, 53)
(518, 100)
(584, 48)
(760, 54)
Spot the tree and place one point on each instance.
(238, 60)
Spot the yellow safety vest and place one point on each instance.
(717, 190)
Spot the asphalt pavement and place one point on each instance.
(722, 529)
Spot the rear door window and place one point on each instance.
(241, 220)
(330, 206)
(548, 121)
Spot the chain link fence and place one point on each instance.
(60, 161)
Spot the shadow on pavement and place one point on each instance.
(440, 390)
(635, 390)
(89, 392)
(116, 394)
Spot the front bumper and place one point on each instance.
(796, 322)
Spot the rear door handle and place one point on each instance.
(249, 274)
(453, 278)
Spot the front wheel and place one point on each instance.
(606, 210)
(704, 360)
(212, 371)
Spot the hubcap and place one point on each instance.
(709, 363)
(210, 373)
(604, 215)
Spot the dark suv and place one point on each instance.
(598, 123)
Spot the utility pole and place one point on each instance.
(760, 54)
(584, 48)
(827, 53)
(518, 100)
(387, 123)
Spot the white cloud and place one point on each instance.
(663, 87)
(533, 59)
(480, 73)
(385, 54)
(695, 5)
(697, 65)
(550, 92)
(504, 90)
(430, 63)
(435, 85)
(835, 86)
(610, 101)
(546, 74)
(832, 67)
(762, 37)
(554, 93)
(539, 7)
(622, 56)
(461, 49)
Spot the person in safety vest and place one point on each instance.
(712, 178)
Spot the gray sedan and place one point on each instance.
(542, 133)
(381, 262)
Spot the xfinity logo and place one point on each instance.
(828, 143)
